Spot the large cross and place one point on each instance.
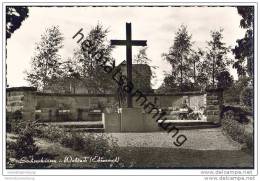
(129, 43)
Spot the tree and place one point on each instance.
(94, 51)
(69, 77)
(45, 66)
(15, 15)
(203, 72)
(232, 95)
(195, 60)
(168, 85)
(225, 80)
(178, 57)
(216, 56)
(141, 57)
(244, 50)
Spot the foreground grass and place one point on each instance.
(143, 157)
(186, 158)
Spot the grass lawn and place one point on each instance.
(143, 157)
(186, 158)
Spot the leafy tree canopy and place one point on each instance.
(244, 50)
(15, 15)
(178, 56)
(45, 67)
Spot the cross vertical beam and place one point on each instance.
(129, 43)
(129, 61)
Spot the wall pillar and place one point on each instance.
(111, 122)
(214, 105)
(29, 105)
(22, 99)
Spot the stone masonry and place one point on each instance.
(214, 105)
(75, 106)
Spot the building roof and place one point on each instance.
(141, 69)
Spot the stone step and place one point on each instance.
(205, 126)
(192, 124)
(85, 124)
(91, 116)
(183, 121)
(67, 120)
(88, 130)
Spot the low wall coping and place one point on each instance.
(113, 95)
(21, 89)
(24, 88)
(176, 93)
(74, 95)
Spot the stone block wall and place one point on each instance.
(150, 123)
(72, 106)
(214, 105)
(139, 121)
(21, 99)
(112, 123)
(75, 107)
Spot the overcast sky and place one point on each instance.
(156, 25)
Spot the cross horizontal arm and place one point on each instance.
(139, 43)
(118, 42)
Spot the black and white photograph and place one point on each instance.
(129, 86)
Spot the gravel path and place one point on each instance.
(198, 139)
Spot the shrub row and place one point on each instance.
(91, 144)
(240, 132)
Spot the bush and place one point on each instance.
(14, 122)
(232, 95)
(73, 140)
(239, 132)
(8, 126)
(225, 80)
(52, 133)
(17, 115)
(103, 146)
(250, 142)
(25, 146)
(91, 144)
(18, 126)
(237, 113)
(247, 97)
(10, 149)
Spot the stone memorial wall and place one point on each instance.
(88, 107)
